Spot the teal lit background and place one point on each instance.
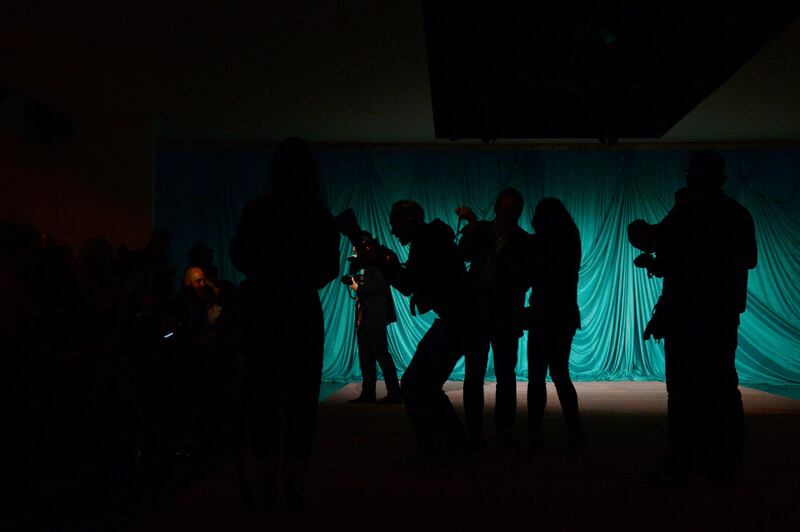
(199, 195)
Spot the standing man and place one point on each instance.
(705, 247)
(498, 254)
(374, 312)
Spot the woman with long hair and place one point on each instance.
(287, 246)
(554, 317)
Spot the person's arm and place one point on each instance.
(402, 277)
(649, 237)
(642, 236)
(466, 244)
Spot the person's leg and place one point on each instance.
(366, 361)
(680, 437)
(561, 344)
(384, 358)
(265, 396)
(300, 407)
(416, 386)
(451, 428)
(537, 390)
(721, 425)
(430, 412)
(504, 347)
(475, 361)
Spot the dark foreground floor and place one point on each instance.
(353, 486)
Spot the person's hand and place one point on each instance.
(354, 285)
(640, 235)
(465, 213)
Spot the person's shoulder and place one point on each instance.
(437, 232)
(734, 208)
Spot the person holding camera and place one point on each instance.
(374, 312)
(498, 252)
(704, 248)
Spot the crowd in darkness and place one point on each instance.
(114, 383)
(116, 387)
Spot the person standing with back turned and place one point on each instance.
(705, 246)
(288, 229)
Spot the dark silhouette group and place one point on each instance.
(110, 377)
(174, 365)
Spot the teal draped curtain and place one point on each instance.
(199, 195)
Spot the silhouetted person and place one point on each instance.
(498, 254)
(98, 281)
(23, 348)
(202, 256)
(705, 247)
(553, 317)
(192, 304)
(191, 356)
(160, 274)
(287, 246)
(374, 312)
(61, 297)
(435, 278)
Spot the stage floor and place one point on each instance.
(352, 483)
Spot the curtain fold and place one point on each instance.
(199, 195)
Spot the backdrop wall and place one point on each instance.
(99, 183)
(199, 195)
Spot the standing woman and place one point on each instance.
(287, 246)
(553, 317)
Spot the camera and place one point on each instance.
(650, 263)
(347, 280)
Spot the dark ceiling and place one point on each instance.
(585, 69)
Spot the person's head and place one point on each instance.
(706, 171)
(552, 218)
(194, 279)
(405, 218)
(366, 236)
(508, 207)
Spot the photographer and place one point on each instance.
(374, 312)
(435, 278)
(704, 248)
